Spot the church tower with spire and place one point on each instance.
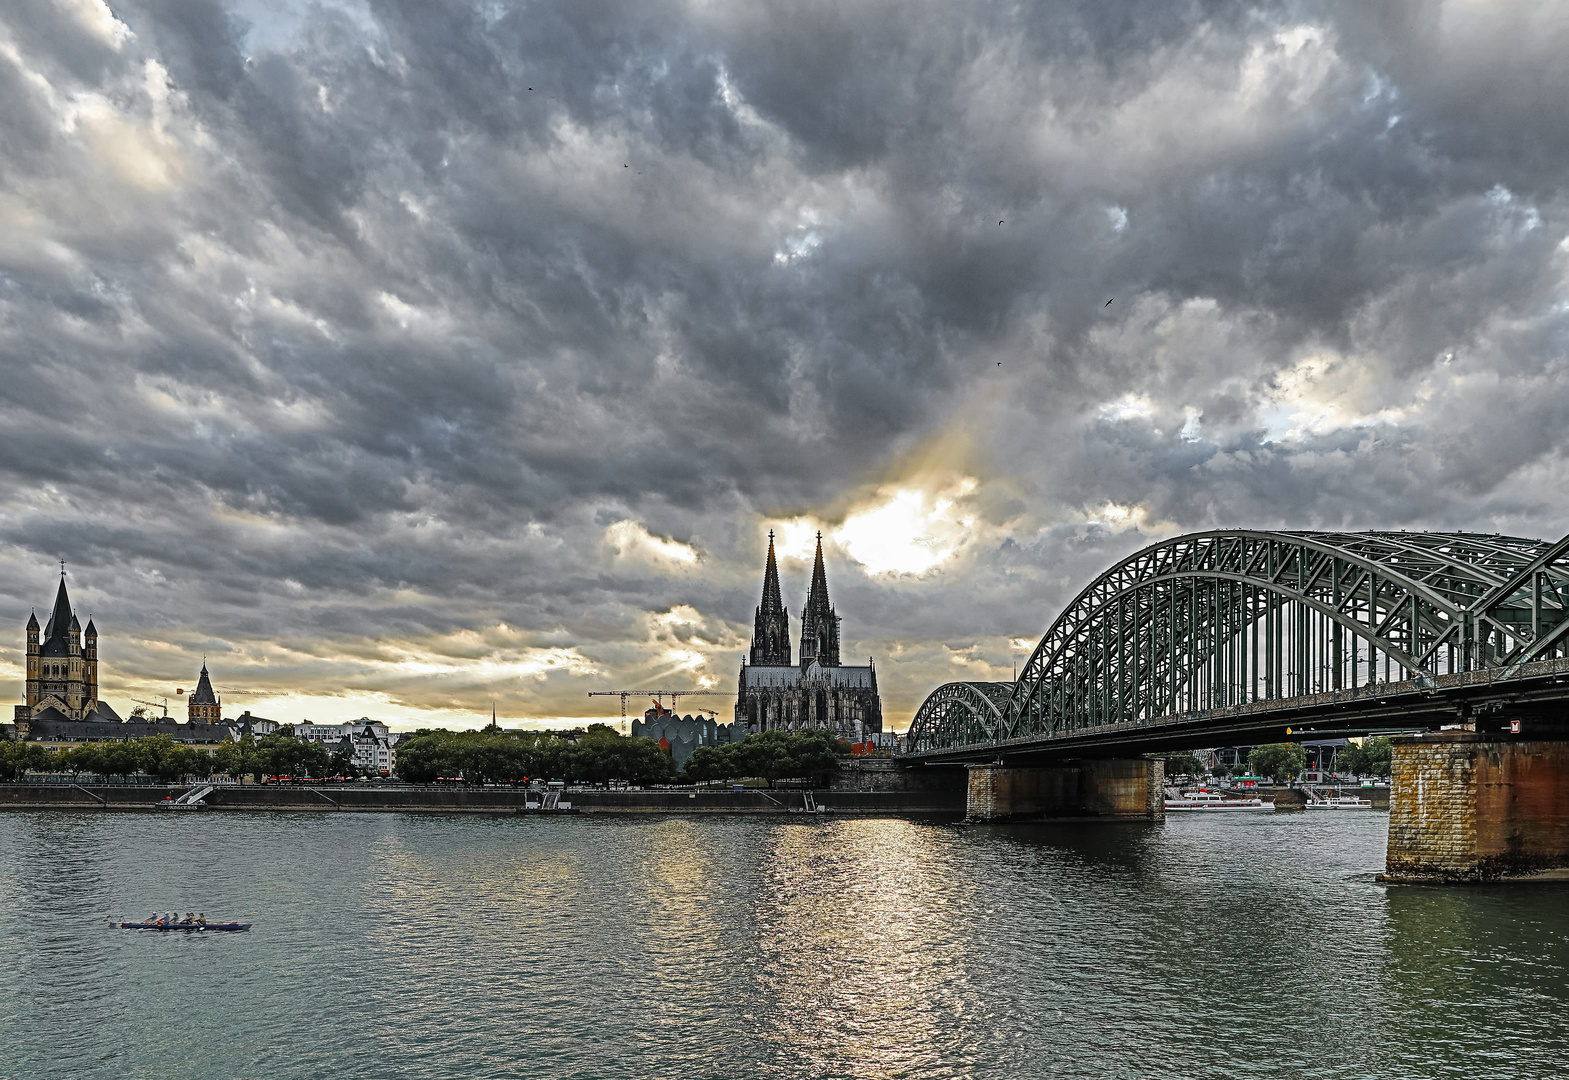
(62, 664)
(203, 707)
(819, 624)
(773, 694)
(771, 626)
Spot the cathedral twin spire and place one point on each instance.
(771, 628)
(819, 623)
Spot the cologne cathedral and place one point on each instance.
(819, 692)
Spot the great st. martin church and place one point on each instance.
(62, 667)
(774, 694)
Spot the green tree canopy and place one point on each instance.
(1372, 758)
(1186, 763)
(17, 757)
(709, 763)
(600, 755)
(281, 754)
(238, 759)
(771, 756)
(341, 763)
(121, 759)
(1282, 761)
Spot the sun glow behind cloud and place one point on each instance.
(910, 531)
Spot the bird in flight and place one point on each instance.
(1108, 303)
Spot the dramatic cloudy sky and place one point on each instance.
(401, 357)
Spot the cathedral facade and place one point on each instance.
(819, 691)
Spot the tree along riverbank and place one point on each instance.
(597, 755)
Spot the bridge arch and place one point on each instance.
(1214, 619)
(971, 712)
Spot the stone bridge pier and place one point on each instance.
(1478, 806)
(1088, 788)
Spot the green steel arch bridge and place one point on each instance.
(1220, 638)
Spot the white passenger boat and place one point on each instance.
(1337, 802)
(1208, 802)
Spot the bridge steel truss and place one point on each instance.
(1213, 620)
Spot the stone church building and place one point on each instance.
(819, 692)
(62, 667)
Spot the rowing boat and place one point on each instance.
(230, 927)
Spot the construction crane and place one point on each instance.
(229, 690)
(164, 704)
(658, 696)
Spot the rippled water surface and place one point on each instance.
(393, 945)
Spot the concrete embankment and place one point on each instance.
(331, 798)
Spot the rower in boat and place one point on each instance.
(166, 921)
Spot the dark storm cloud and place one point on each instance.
(457, 351)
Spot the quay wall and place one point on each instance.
(330, 799)
(1098, 788)
(890, 774)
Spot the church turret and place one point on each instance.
(771, 627)
(32, 660)
(819, 624)
(203, 706)
(90, 661)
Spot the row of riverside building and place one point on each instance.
(773, 691)
(63, 709)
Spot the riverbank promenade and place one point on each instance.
(477, 800)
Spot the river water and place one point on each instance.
(392, 945)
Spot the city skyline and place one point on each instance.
(402, 362)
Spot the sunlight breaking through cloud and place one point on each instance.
(910, 531)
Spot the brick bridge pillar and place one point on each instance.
(1119, 788)
(1467, 806)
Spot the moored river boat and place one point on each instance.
(1337, 802)
(1208, 802)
